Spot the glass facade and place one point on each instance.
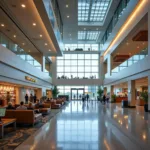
(81, 47)
(117, 14)
(66, 90)
(92, 11)
(78, 66)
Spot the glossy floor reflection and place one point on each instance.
(93, 126)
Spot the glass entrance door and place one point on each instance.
(76, 94)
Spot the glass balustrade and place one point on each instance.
(6, 42)
(132, 60)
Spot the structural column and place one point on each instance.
(43, 63)
(149, 92)
(109, 65)
(110, 90)
(131, 93)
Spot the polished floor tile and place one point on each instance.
(93, 126)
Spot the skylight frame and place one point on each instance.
(88, 35)
(90, 11)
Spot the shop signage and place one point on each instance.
(30, 79)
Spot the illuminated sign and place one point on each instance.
(30, 79)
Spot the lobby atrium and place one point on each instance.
(74, 75)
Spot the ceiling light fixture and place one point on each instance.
(41, 35)
(70, 34)
(97, 29)
(34, 24)
(84, 28)
(23, 43)
(45, 44)
(68, 16)
(49, 50)
(29, 51)
(67, 6)
(23, 5)
(14, 36)
(138, 47)
(126, 24)
(2, 25)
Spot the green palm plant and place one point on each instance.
(55, 92)
(144, 96)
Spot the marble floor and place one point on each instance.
(93, 126)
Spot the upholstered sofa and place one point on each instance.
(24, 116)
(54, 105)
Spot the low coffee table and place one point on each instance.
(4, 123)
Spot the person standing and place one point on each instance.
(34, 98)
(31, 98)
(26, 98)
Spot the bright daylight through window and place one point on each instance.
(78, 66)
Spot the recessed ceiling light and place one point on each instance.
(49, 50)
(41, 35)
(45, 44)
(23, 5)
(68, 16)
(67, 6)
(96, 28)
(2, 25)
(14, 36)
(23, 43)
(34, 24)
(29, 51)
(84, 28)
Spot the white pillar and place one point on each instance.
(109, 65)
(149, 92)
(43, 63)
(131, 93)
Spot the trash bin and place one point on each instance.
(124, 103)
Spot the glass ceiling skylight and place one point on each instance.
(88, 35)
(92, 10)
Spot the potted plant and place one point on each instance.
(55, 92)
(113, 98)
(100, 92)
(144, 96)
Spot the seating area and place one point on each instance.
(31, 113)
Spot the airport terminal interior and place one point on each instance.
(74, 74)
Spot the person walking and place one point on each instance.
(87, 97)
(26, 98)
(83, 97)
(104, 98)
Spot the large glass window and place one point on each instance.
(81, 66)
